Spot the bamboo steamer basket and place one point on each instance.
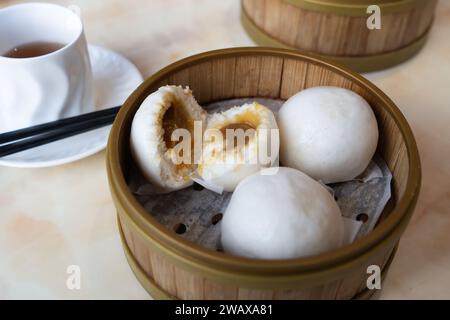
(337, 29)
(169, 266)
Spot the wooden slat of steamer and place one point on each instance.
(252, 294)
(401, 168)
(349, 286)
(200, 81)
(322, 76)
(389, 37)
(246, 76)
(395, 32)
(270, 77)
(399, 23)
(155, 266)
(128, 236)
(339, 35)
(332, 42)
(363, 93)
(258, 8)
(307, 32)
(164, 273)
(272, 16)
(292, 294)
(393, 152)
(172, 279)
(291, 82)
(180, 78)
(328, 291)
(139, 250)
(142, 256)
(223, 75)
(189, 285)
(415, 23)
(289, 25)
(418, 20)
(137, 247)
(218, 291)
(356, 38)
(382, 264)
(377, 39)
(356, 282)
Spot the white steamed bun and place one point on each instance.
(281, 216)
(329, 133)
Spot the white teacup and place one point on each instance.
(47, 87)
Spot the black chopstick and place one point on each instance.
(54, 135)
(35, 136)
(49, 126)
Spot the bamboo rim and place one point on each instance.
(367, 63)
(256, 280)
(355, 7)
(156, 292)
(191, 254)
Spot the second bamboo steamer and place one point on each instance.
(337, 29)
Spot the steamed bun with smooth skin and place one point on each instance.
(329, 133)
(152, 146)
(281, 216)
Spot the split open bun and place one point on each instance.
(152, 146)
(225, 162)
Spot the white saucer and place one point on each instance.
(115, 77)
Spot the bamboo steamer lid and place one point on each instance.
(337, 29)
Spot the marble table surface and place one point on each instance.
(60, 216)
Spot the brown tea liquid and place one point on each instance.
(33, 49)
